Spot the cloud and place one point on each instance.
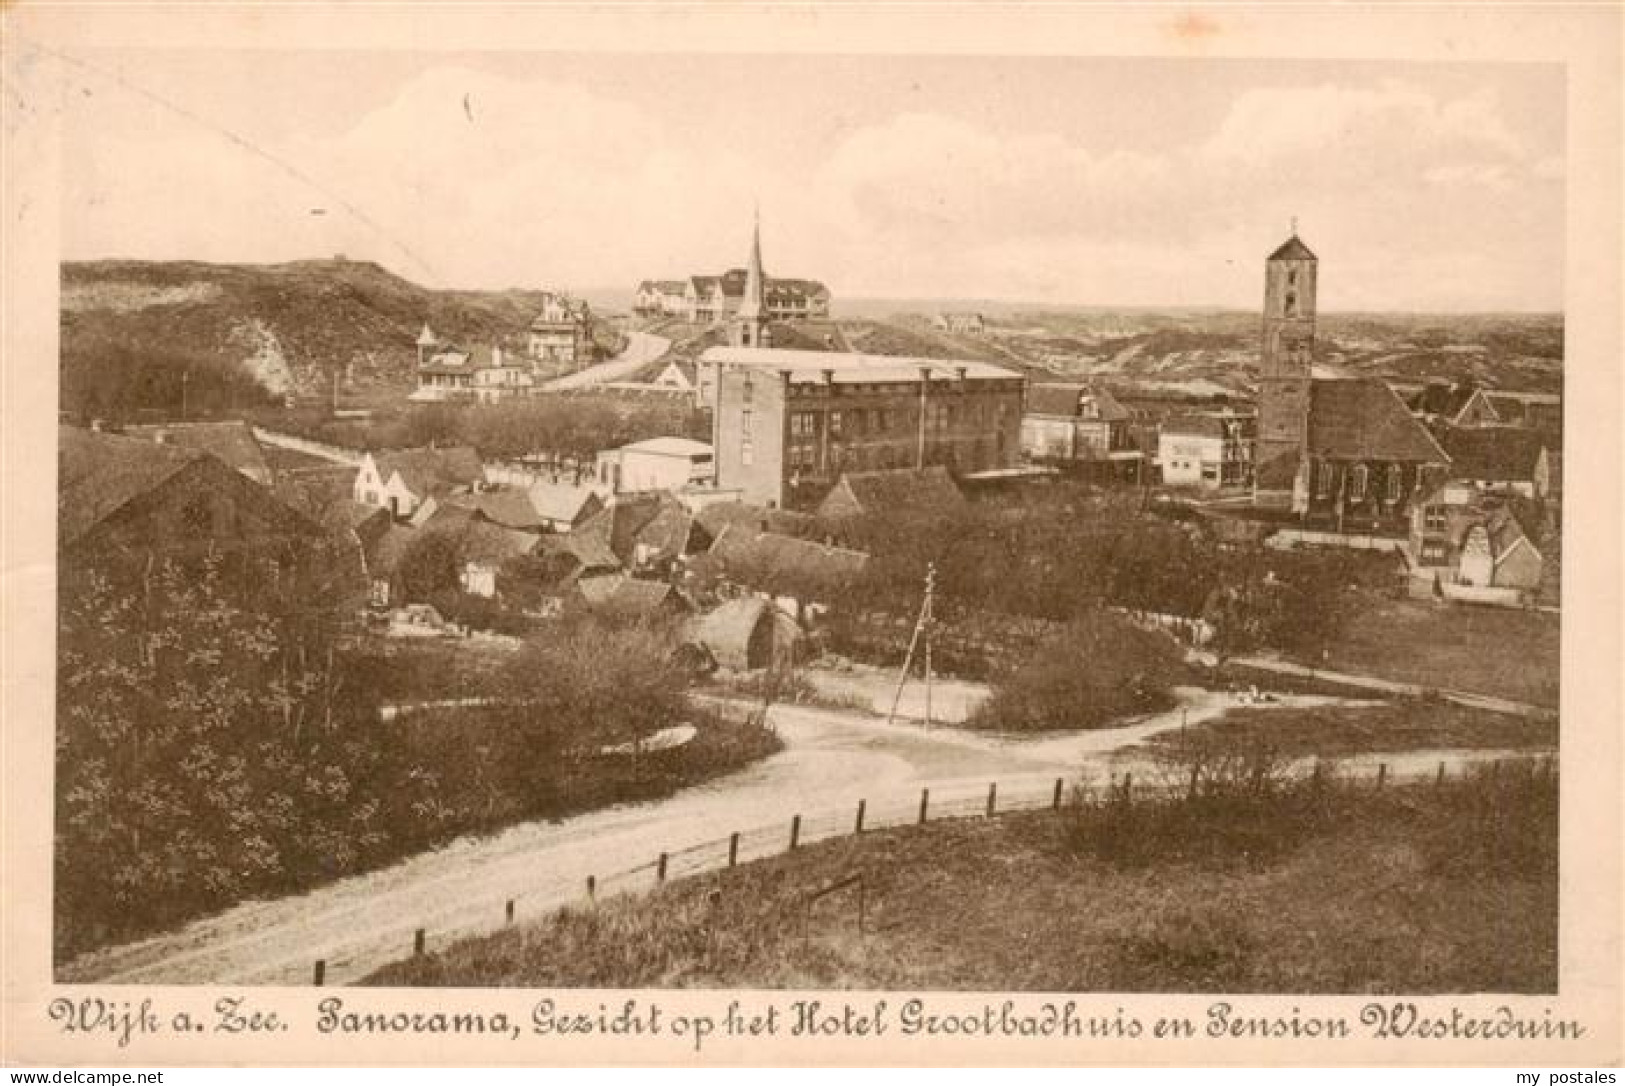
(473, 179)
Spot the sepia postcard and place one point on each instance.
(808, 534)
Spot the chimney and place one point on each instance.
(829, 378)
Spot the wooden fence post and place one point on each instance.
(1128, 787)
(1382, 774)
(925, 803)
(1057, 801)
(733, 848)
(992, 797)
(320, 974)
(660, 869)
(1438, 778)
(1196, 776)
(858, 828)
(417, 943)
(509, 911)
(795, 831)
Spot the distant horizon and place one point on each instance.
(872, 302)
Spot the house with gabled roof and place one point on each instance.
(400, 480)
(1076, 424)
(1465, 543)
(127, 499)
(892, 492)
(1508, 459)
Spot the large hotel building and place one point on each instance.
(788, 423)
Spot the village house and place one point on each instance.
(1080, 426)
(1466, 544)
(1207, 450)
(645, 534)
(481, 375)
(656, 463)
(1506, 459)
(132, 498)
(895, 492)
(1339, 453)
(1527, 410)
(561, 335)
(970, 324)
(400, 480)
(687, 376)
(661, 298)
(231, 442)
(801, 576)
(629, 598)
(789, 423)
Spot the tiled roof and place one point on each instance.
(232, 442)
(559, 501)
(769, 558)
(660, 522)
(508, 508)
(1195, 426)
(719, 515)
(623, 595)
(431, 471)
(1492, 452)
(98, 474)
(1364, 419)
(899, 490)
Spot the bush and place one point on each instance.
(1101, 668)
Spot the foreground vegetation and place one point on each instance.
(1334, 731)
(1253, 884)
(218, 739)
(1485, 650)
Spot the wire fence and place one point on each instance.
(938, 802)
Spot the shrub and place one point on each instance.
(1100, 669)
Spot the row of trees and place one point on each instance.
(1077, 552)
(576, 425)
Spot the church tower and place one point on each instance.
(1287, 354)
(750, 322)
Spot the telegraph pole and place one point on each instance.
(922, 629)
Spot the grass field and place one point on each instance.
(1485, 650)
(1419, 889)
(1334, 731)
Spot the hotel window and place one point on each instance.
(1433, 518)
(1396, 482)
(1323, 484)
(834, 423)
(1357, 483)
(749, 389)
(802, 424)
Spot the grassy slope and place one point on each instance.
(1485, 650)
(323, 314)
(1335, 731)
(1417, 890)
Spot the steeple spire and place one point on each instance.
(753, 306)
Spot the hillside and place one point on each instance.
(1208, 353)
(130, 329)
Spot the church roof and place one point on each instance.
(1363, 419)
(1293, 249)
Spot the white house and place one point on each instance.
(400, 480)
(657, 463)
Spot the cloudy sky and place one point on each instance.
(1088, 181)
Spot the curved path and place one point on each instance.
(641, 349)
(831, 760)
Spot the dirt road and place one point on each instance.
(831, 761)
(641, 349)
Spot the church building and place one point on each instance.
(1340, 452)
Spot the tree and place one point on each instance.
(430, 565)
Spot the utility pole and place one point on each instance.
(922, 628)
(186, 375)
